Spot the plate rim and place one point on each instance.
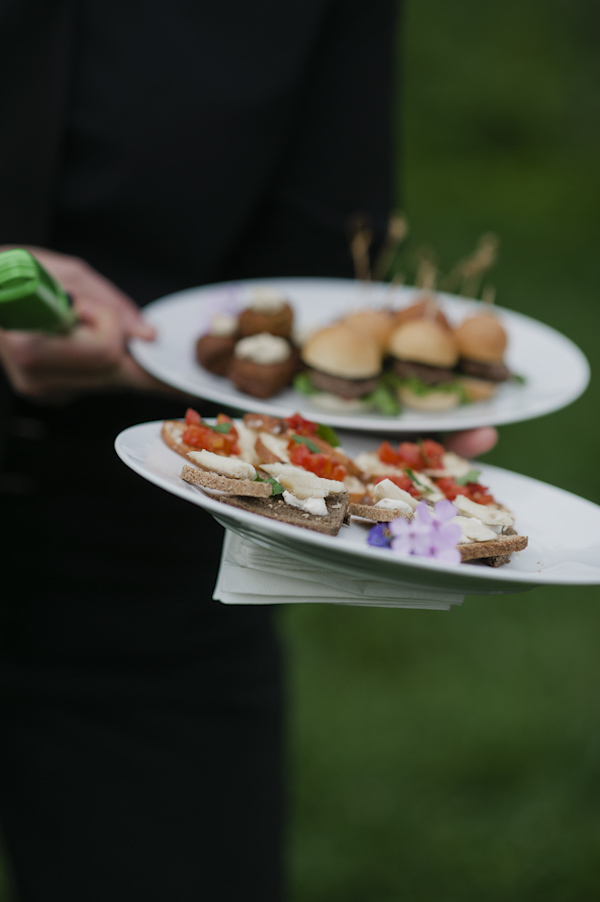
(477, 580)
(234, 400)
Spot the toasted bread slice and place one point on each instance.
(495, 552)
(378, 514)
(208, 480)
(172, 432)
(276, 509)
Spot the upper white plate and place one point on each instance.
(563, 529)
(555, 370)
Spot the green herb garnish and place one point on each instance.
(413, 478)
(418, 387)
(276, 487)
(303, 384)
(221, 427)
(304, 440)
(384, 400)
(328, 434)
(517, 377)
(470, 476)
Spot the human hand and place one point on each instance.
(473, 442)
(94, 354)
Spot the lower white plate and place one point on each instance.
(563, 528)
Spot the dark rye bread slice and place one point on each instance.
(208, 480)
(495, 552)
(378, 514)
(276, 509)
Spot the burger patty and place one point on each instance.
(494, 372)
(430, 375)
(345, 388)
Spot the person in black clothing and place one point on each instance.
(145, 148)
(153, 147)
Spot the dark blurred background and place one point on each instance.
(455, 757)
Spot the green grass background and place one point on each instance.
(455, 757)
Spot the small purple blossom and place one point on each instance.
(428, 534)
(380, 536)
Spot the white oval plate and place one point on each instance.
(563, 529)
(555, 371)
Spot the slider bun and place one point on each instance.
(431, 400)
(426, 306)
(481, 338)
(477, 389)
(342, 350)
(377, 323)
(424, 341)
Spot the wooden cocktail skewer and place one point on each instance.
(361, 236)
(396, 235)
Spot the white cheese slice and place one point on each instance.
(388, 489)
(276, 444)
(427, 487)
(394, 504)
(302, 483)
(315, 506)
(246, 441)
(493, 517)
(369, 462)
(452, 465)
(232, 467)
(473, 530)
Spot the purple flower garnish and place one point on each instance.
(428, 534)
(380, 536)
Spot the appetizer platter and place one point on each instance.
(294, 361)
(376, 498)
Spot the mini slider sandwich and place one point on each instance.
(481, 341)
(343, 365)
(424, 353)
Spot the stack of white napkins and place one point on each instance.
(251, 574)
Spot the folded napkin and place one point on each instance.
(251, 574)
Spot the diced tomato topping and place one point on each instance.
(301, 426)
(432, 453)
(472, 490)
(387, 454)
(412, 455)
(320, 464)
(206, 439)
(403, 482)
(192, 416)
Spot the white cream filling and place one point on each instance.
(223, 326)
(263, 348)
(265, 301)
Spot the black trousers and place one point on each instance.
(140, 722)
